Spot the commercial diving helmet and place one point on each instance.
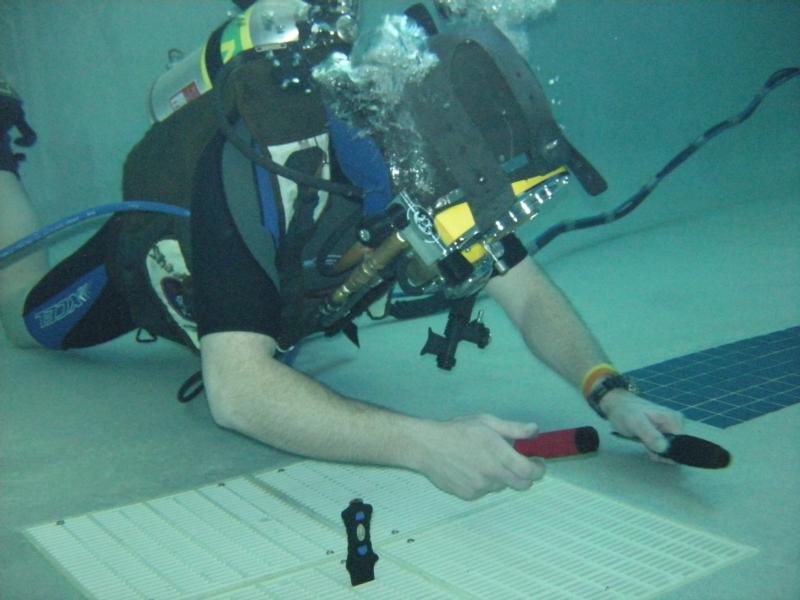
(494, 154)
(292, 33)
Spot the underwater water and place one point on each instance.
(710, 260)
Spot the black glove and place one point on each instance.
(12, 115)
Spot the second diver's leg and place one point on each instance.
(17, 276)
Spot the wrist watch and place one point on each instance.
(605, 385)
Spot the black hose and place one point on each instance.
(776, 79)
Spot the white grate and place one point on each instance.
(279, 535)
(407, 501)
(332, 583)
(566, 542)
(186, 545)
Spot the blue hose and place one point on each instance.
(91, 213)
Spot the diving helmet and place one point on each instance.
(494, 154)
(293, 34)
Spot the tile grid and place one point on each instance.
(729, 384)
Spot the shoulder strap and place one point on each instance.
(246, 200)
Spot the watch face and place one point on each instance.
(606, 385)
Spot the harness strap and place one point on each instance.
(290, 253)
(248, 216)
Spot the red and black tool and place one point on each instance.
(691, 451)
(558, 444)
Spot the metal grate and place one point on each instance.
(279, 535)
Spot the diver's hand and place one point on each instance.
(633, 416)
(473, 456)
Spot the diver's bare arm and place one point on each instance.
(257, 396)
(252, 393)
(552, 329)
(556, 334)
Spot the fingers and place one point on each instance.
(511, 430)
(521, 472)
(651, 437)
(657, 422)
(668, 421)
(493, 463)
(650, 427)
(639, 418)
(522, 476)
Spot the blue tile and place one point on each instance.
(785, 399)
(673, 405)
(790, 344)
(766, 361)
(692, 370)
(731, 383)
(695, 387)
(716, 362)
(755, 353)
(667, 392)
(696, 414)
(741, 399)
(791, 379)
(712, 392)
(690, 399)
(721, 421)
(716, 406)
(764, 407)
(733, 370)
(674, 363)
(655, 394)
(662, 379)
(785, 349)
(659, 368)
(774, 372)
(741, 382)
(792, 368)
(781, 336)
(774, 387)
(743, 413)
(710, 379)
(642, 373)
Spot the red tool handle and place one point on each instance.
(557, 444)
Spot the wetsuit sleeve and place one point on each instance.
(231, 291)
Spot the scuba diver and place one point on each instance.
(304, 214)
